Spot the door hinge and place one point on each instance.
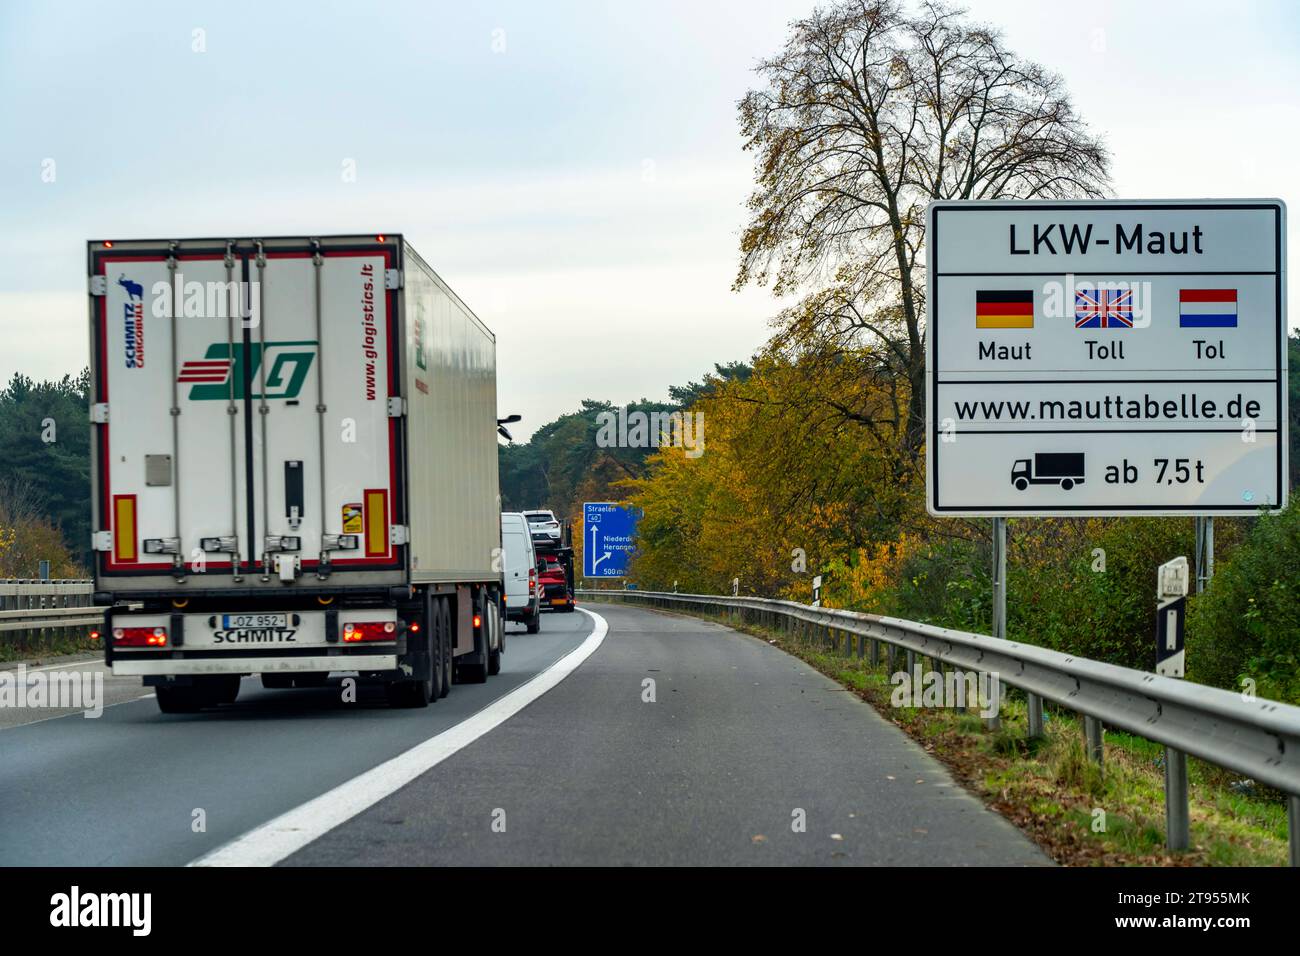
(101, 541)
(399, 533)
(99, 285)
(99, 413)
(392, 279)
(396, 406)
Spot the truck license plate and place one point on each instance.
(231, 622)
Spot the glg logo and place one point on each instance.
(132, 322)
(224, 366)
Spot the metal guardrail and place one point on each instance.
(1254, 737)
(34, 605)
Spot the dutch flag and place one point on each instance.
(1207, 308)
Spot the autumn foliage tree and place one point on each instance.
(785, 485)
(867, 114)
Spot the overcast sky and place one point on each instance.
(572, 169)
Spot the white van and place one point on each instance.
(523, 596)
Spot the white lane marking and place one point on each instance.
(75, 713)
(51, 667)
(291, 831)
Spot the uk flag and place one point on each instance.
(1103, 308)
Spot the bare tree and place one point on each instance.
(865, 116)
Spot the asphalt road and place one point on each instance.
(123, 789)
(740, 745)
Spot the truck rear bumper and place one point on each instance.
(126, 667)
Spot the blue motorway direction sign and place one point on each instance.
(608, 537)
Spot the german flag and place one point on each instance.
(1003, 309)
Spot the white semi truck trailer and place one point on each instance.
(294, 468)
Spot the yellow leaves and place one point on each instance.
(874, 570)
(787, 485)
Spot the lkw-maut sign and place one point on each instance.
(1106, 358)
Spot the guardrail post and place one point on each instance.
(1177, 835)
(862, 646)
(994, 722)
(1092, 733)
(875, 652)
(1293, 826)
(911, 661)
(1034, 708)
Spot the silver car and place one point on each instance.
(543, 526)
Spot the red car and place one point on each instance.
(554, 582)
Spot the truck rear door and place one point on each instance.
(243, 409)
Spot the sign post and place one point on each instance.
(1204, 553)
(1171, 610)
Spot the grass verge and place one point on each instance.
(15, 646)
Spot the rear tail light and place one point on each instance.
(478, 620)
(139, 637)
(532, 580)
(355, 632)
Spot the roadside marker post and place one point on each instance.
(1171, 610)
(999, 597)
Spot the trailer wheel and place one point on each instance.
(207, 691)
(494, 656)
(177, 700)
(414, 693)
(448, 644)
(439, 658)
(290, 681)
(500, 619)
(476, 671)
(226, 688)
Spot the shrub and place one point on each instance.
(1247, 623)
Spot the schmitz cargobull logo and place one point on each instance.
(223, 365)
(132, 322)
